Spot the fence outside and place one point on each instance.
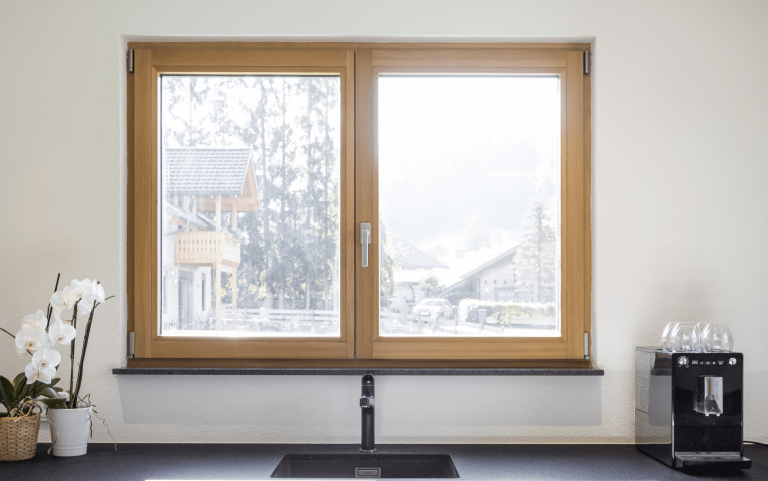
(317, 322)
(406, 324)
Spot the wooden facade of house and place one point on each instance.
(196, 182)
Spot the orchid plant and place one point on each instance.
(38, 339)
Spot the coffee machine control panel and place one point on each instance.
(686, 361)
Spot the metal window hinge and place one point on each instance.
(130, 345)
(129, 56)
(586, 345)
(586, 62)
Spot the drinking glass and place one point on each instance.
(665, 335)
(685, 337)
(717, 337)
(701, 325)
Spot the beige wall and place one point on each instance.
(680, 206)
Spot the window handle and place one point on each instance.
(365, 240)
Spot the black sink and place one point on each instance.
(366, 466)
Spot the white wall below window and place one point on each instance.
(680, 209)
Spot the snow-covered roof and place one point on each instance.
(199, 219)
(411, 257)
(490, 262)
(464, 269)
(203, 172)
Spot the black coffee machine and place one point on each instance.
(689, 408)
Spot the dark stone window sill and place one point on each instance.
(323, 371)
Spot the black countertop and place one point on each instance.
(257, 461)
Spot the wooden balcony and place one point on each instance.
(207, 247)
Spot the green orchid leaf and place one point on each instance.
(23, 393)
(19, 381)
(49, 393)
(34, 389)
(57, 403)
(10, 392)
(4, 380)
(54, 381)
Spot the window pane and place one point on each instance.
(469, 205)
(249, 170)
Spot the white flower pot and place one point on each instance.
(69, 430)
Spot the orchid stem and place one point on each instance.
(50, 309)
(1, 329)
(100, 303)
(86, 335)
(72, 359)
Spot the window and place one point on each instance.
(259, 164)
(249, 168)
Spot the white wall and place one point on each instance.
(680, 207)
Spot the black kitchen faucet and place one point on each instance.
(366, 405)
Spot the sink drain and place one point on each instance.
(367, 472)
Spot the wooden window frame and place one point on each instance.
(358, 65)
(150, 62)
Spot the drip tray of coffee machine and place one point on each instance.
(700, 459)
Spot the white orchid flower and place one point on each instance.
(77, 288)
(20, 351)
(84, 307)
(86, 288)
(43, 365)
(30, 339)
(80, 289)
(71, 295)
(61, 333)
(74, 292)
(35, 320)
(65, 315)
(61, 301)
(98, 292)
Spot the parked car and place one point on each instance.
(437, 308)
